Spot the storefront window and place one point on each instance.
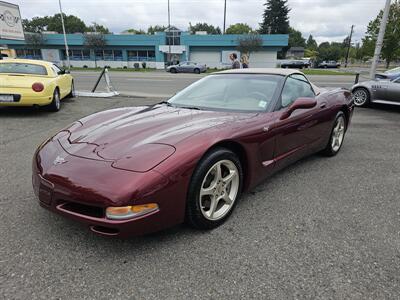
(118, 55)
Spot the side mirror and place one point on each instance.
(67, 72)
(299, 103)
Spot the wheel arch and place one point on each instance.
(242, 154)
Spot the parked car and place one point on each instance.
(389, 74)
(294, 64)
(135, 170)
(377, 91)
(187, 67)
(26, 82)
(329, 64)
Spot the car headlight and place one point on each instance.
(129, 212)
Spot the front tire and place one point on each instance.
(361, 97)
(55, 104)
(173, 70)
(72, 93)
(214, 188)
(197, 71)
(337, 135)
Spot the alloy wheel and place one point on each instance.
(57, 100)
(360, 97)
(219, 190)
(338, 134)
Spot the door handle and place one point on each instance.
(322, 105)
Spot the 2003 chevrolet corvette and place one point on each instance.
(25, 82)
(136, 170)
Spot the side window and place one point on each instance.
(296, 86)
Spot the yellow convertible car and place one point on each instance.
(26, 82)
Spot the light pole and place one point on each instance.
(379, 41)
(224, 17)
(169, 33)
(348, 46)
(65, 36)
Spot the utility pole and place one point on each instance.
(379, 41)
(348, 46)
(169, 33)
(223, 32)
(65, 36)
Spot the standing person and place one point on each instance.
(235, 62)
(245, 61)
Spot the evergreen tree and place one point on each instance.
(275, 17)
(311, 43)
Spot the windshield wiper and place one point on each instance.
(190, 107)
(165, 102)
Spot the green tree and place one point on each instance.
(329, 51)
(275, 17)
(239, 28)
(97, 28)
(72, 24)
(34, 40)
(309, 53)
(210, 29)
(295, 38)
(249, 43)
(94, 41)
(36, 25)
(156, 28)
(311, 43)
(391, 40)
(53, 23)
(134, 31)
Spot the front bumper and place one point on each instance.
(81, 189)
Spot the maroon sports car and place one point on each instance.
(135, 170)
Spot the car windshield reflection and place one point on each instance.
(236, 92)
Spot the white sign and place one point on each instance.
(52, 55)
(10, 22)
(175, 49)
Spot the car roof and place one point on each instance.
(27, 61)
(274, 71)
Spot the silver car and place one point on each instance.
(377, 91)
(187, 67)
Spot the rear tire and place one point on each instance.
(337, 135)
(214, 189)
(361, 97)
(55, 104)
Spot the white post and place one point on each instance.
(379, 41)
(65, 36)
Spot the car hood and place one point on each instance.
(142, 136)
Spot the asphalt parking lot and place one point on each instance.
(163, 84)
(322, 228)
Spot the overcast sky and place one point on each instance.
(326, 20)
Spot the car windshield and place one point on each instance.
(239, 92)
(393, 71)
(22, 68)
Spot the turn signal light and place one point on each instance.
(38, 87)
(129, 212)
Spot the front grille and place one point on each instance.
(87, 210)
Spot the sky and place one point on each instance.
(326, 20)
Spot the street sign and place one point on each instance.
(10, 22)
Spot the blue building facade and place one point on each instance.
(126, 50)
